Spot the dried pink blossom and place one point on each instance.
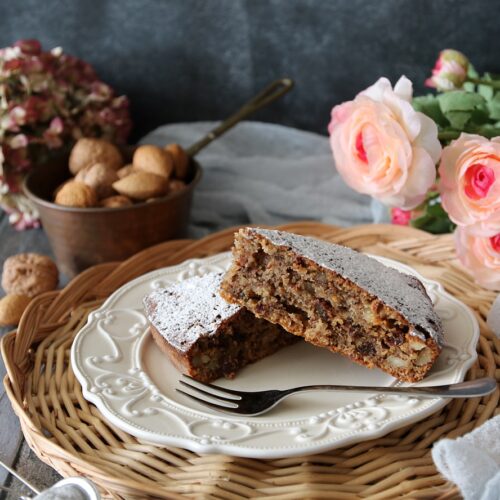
(50, 99)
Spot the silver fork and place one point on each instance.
(256, 403)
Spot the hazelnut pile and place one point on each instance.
(25, 276)
(102, 180)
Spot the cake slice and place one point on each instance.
(203, 335)
(336, 298)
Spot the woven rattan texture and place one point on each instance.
(70, 434)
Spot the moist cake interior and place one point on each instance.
(241, 341)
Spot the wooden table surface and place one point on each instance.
(13, 450)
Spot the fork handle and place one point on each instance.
(472, 388)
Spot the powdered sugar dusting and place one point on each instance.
(402, 292)
(188, 310)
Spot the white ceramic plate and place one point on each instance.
(133, 384)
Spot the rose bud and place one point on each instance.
(400, 217)
(450, 71)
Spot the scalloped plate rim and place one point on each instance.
(247, 450)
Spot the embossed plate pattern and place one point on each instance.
(133, 384)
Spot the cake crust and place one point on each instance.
(336, 298)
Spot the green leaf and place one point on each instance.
(486, 91)
(437, 210)
(494, 107)
(432, 225)
(480, 116)
(429, 105)
(489, 131)
(458, 100)
(459, 119)
(448, 134)
(469, 87)
(435, 220)
(440, 226)
(461, 108)
(471, 72)
(421, 221)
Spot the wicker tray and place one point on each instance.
(70, 434)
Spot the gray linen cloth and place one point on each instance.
(261, 173)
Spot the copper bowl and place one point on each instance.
(83, 237)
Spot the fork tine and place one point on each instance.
(215, 387)
(210, 405)
(206, 393)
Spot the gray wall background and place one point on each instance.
(184, 60)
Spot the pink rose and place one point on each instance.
(470, 183)
(480, 255)
(383, 147)
(450, 71)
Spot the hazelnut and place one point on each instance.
(176, 185)
(76, 194)
(124, 171)
(417, 345)
(99, 177)
(12, 308)
(116, 201)
(180, 159)
(141, 185)
(397, 362)
(87, 151)
(29, 274)
(424, 357)
(154, 160)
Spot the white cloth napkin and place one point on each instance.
(265, 174)
(472, 461)
(62, 493)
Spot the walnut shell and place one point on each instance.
(124, 171)
(29, 274)
(154, 160)
(116, 201)
(76, 194)
(180, 159)
(141, 185)
(88, 151)
(12, 308)
(99, 177)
